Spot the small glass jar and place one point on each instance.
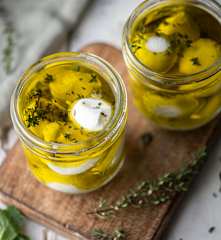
(171, 100)
(76, 167)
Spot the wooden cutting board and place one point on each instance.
(67, 214)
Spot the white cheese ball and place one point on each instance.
(157, 44)
(156, 53)
(91, 113)
(65, 188)
(74, 170)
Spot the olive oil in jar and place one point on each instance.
(69, 111)
(48, 104)
(172, 50)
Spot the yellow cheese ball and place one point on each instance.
(176, 107)
(38, 129)
(69, 83)
(202, 54)
(180, 23)
(50, 131)
(156, 54)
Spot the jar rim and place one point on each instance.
(110, 131)
(212, 6)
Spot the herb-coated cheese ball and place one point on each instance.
(180, 23)
(202, 54)
(156, 53)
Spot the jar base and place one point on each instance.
(71, 189)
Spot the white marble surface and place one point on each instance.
(104, 22)
(200, 210)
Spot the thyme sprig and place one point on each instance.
(34, 114)
(99, 234)
(8, 50)
(154, 192)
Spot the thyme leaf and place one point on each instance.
(49, 78)
(195, 61)
(67, 135)
(154, 192)
(76, 68)
(135, 47)
(93, 78)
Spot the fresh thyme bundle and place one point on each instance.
(8, 33)
(154, 192)
(99, 234)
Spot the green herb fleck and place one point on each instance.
(37, 93)
(178, 42)
(76, 68)
(67, 135)
(80, 96)
(195, 61)
(74, 140)
(135, 47)
(49, 78)
(93, 78)
(34, 117)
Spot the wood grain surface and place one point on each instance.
(67, 213)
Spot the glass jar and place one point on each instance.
(170, 99)
(75, 167)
